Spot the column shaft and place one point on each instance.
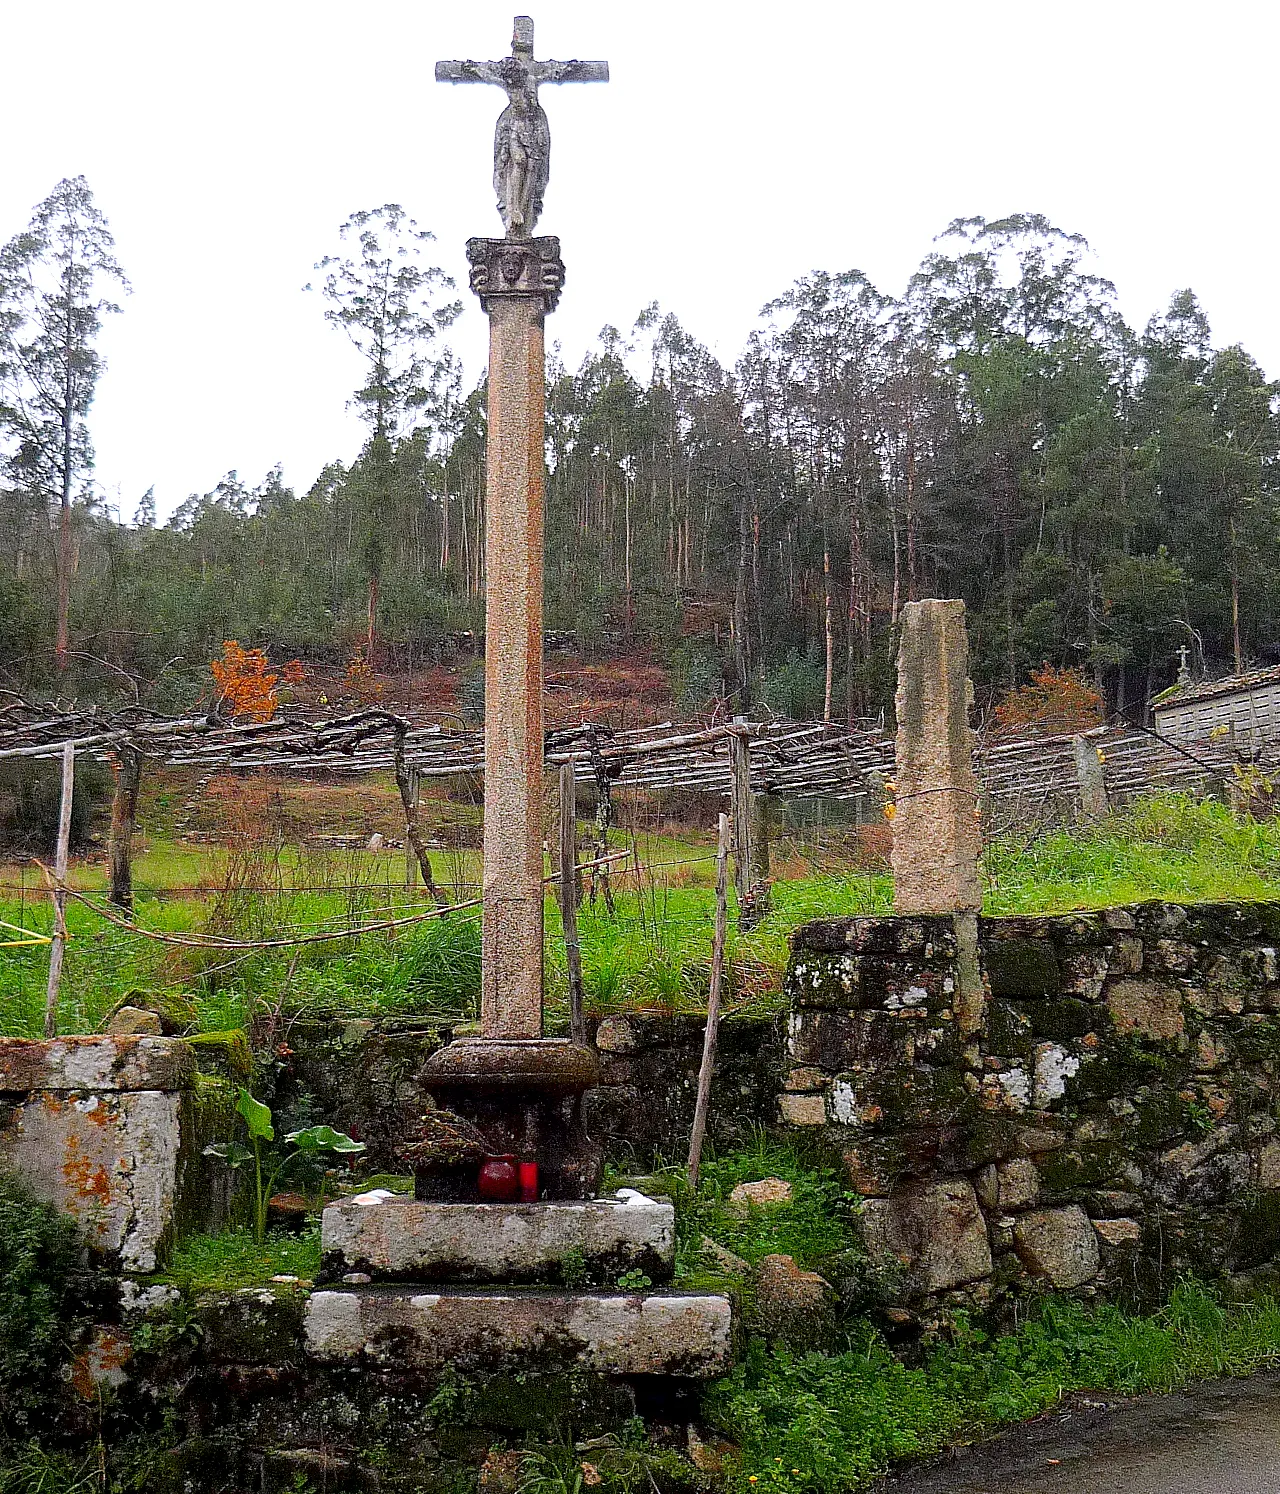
(511, 991)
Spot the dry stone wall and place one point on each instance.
(1104, 1121)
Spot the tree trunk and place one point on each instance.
(828, 633)
(412, 832)
(127, 767)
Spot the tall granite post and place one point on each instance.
(518, 282)
(936, 834)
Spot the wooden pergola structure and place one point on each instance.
(1032, 777)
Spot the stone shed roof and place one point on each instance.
(1231, 684)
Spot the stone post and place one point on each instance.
(1091, 783)
(936, 832)
(518, 282)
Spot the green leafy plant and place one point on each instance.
(39, 1255)
(634, 1281)
(266, 1171)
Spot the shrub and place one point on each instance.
(39, 1298)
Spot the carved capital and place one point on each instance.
(516, 267)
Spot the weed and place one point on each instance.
(307, 1145)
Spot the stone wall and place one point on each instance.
(111, 1130)
(359, 1075)
(1104, 1119)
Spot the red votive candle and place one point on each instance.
(528, 1182)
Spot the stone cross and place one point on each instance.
(522, 140)
(518, 280)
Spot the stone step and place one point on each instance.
(662, 1333)
(574, 1243)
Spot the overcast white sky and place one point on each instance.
(737, 147)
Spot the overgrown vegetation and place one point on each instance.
(822, 1424)
(236, 1258)
(40, 1302)
(651, 953)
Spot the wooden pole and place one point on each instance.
(568, 869)
(412, 833)
(750, 832)
(410, 858)
(713, 1004)
(740, 761)
(59, 943)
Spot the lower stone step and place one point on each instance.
(661, 1333)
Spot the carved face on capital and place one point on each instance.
(511, 267)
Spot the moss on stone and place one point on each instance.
(224, 1054)
(1066, 1172)
(1021, 967)
(1066, 1018)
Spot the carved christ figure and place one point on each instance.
(521, 160)
(522, 140)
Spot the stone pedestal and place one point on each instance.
(595, 1242)
(544, 1287)
(611, 1333)
(525, 1097)
(936, 831)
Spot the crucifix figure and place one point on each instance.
(522, 140)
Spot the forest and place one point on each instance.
(1100, 497)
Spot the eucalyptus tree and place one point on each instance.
(814, 376)
(57, 279)
(393, 306)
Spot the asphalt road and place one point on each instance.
(1220, 1438)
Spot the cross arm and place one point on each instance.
(470, 72)
(571, 72)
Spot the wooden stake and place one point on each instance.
(713, 1004)
(740, 760)
(412, 834)
(59, 943)
(750, 832)
(410, 858)
(569, 897)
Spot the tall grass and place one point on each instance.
(652, 953)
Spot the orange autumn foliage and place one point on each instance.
(1056, 700)
(361, 681)
(243, 683)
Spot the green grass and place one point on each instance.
(234, 1259)
(1166, 847)
(823, 1424)
(652, 954)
